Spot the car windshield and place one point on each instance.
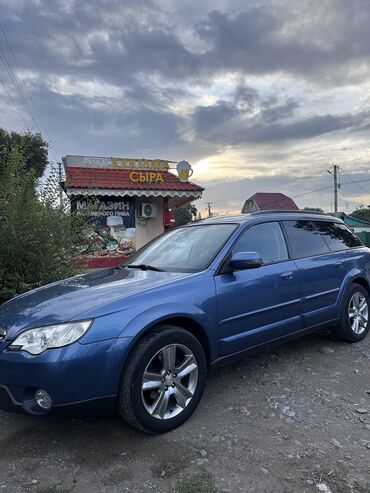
(188, 249)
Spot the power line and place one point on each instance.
(13, 103)
(351, 161)
(355, 183)
(22, 98)
(347, 200)
(28, 92)
(18, 88)
(276, 202)
(16, 85)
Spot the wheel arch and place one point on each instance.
(191, 326)
(183, 322)
(354, 276)
(362, 282)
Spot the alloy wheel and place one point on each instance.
(169, 381)
(358, 313)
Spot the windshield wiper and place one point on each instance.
(144, 267)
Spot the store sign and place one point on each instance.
(110, 227)
(184, 170)
(143, 170)
(117, 163)
(146, 177)
(144, 164)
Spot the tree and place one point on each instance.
(185, 214)
(312, 209)
(33, 148)
(363, 214)
(38, 238)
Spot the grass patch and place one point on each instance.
(338, 484)
(361, 488)
(172, 469)
(202, 482)
(173, 465)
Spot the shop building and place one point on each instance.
(263, 201)
(133, 201)
(360, 227)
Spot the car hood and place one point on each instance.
(70, 298)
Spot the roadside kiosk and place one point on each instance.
(133, 200)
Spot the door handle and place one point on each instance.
(287, 275)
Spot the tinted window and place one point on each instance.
(337, 236)
(266, 239)
(305, 239)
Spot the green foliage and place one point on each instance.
(363, 214)
(185, 214)
(202, 482)
(38, 238)
(32, 146)
(312, 209)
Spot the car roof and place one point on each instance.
(267, 215)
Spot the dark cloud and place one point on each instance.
(110, 39)
(273, 120)
(273, 112)
(80, 126)
(245, 95)
(156, 68)
(206, 118)
(327, 42)
(301, 129)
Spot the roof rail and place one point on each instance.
(289, 211)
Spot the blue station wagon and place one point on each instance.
(143, 336)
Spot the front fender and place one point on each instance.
(152, 316)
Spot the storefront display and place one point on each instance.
(133, 201)
(110, 227)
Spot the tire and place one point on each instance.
(169, 398)
(356, 303)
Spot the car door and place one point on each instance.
(261, 304)
(318, 249)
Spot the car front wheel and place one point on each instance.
(163, 380)
(354, 324)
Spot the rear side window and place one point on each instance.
(267, 239)
(305, 239)
(338, 236)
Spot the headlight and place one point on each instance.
(36, 341)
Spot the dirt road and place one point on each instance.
(293, 420)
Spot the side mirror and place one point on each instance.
(245, 260)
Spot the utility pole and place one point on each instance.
(209, 209)
(336, 169)
(60, 185)
(335, 173)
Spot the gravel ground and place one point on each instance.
(293, 420)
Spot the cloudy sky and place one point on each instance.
(257, 95)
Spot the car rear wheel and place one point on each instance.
(163, 380)
(355, 322)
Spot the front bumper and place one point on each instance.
(7, 401)
(73, 375)
(90, 407)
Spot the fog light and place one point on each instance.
(43, 399)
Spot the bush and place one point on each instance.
(38, 238)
